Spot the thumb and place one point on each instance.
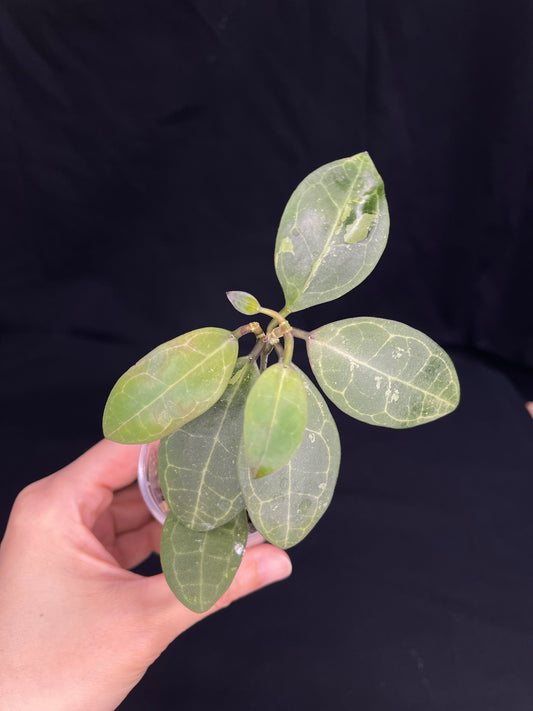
(261, 565)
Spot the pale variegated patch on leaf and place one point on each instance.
(274, 418)
(383, 372)
(199, 566)
(170, 386)
(286, 505)
(198, 462)
(332, 232)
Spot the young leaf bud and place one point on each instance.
(244, 302)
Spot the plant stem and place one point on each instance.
(256, 350)
(299, 333)
(264, 357)
(271, 325)
(252, 327)
(288, 343)
(274, 314)
(283, 329)
(279, 350)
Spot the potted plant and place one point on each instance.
(242, 437)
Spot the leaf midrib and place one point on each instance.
(325, 248)
(173, 385)
(274, 411)
(353, 359)
(214, 444)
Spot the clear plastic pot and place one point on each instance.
(153, 496)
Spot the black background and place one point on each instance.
(147, 150)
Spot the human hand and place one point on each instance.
(77, 629)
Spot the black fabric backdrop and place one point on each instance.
(147, 150)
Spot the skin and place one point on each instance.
(77, 628)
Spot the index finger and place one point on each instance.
(93, 477)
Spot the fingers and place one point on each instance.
(92, 478)
(127, 529)
(133, 547)
(129, 510)
(106, 463)
(261, 566)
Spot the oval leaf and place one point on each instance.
(285, 506)
(383, 372)
(199, 566)
(170, 386)
(332, 232)
(274, 419)
(244, 302)
(197, 464)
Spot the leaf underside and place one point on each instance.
(197, 464)
(383, 372)
(199, 566)
(332, 232)
(286, 505)
(170, 386)
(274, 418)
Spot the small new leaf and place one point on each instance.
(197, 464)
(285, 506)
(274, 419)
(199, 566)
(383, 372)
(170, 386)
(332, 232)
(244, 302)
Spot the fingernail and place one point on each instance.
(273, 568)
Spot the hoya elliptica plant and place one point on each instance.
(241, 438)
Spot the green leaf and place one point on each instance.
(383, 372)
(332, 232)
(244, 302)
(170, 386)
(197, 464)
(200, 565)
(286, 505)
(274, 419)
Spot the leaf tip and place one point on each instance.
(260, 472)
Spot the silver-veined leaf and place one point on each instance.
(170, 386)
(197, 464)
(332, 232)
(274, 418)
(286, 505)
(200, 565)
(383, 372)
